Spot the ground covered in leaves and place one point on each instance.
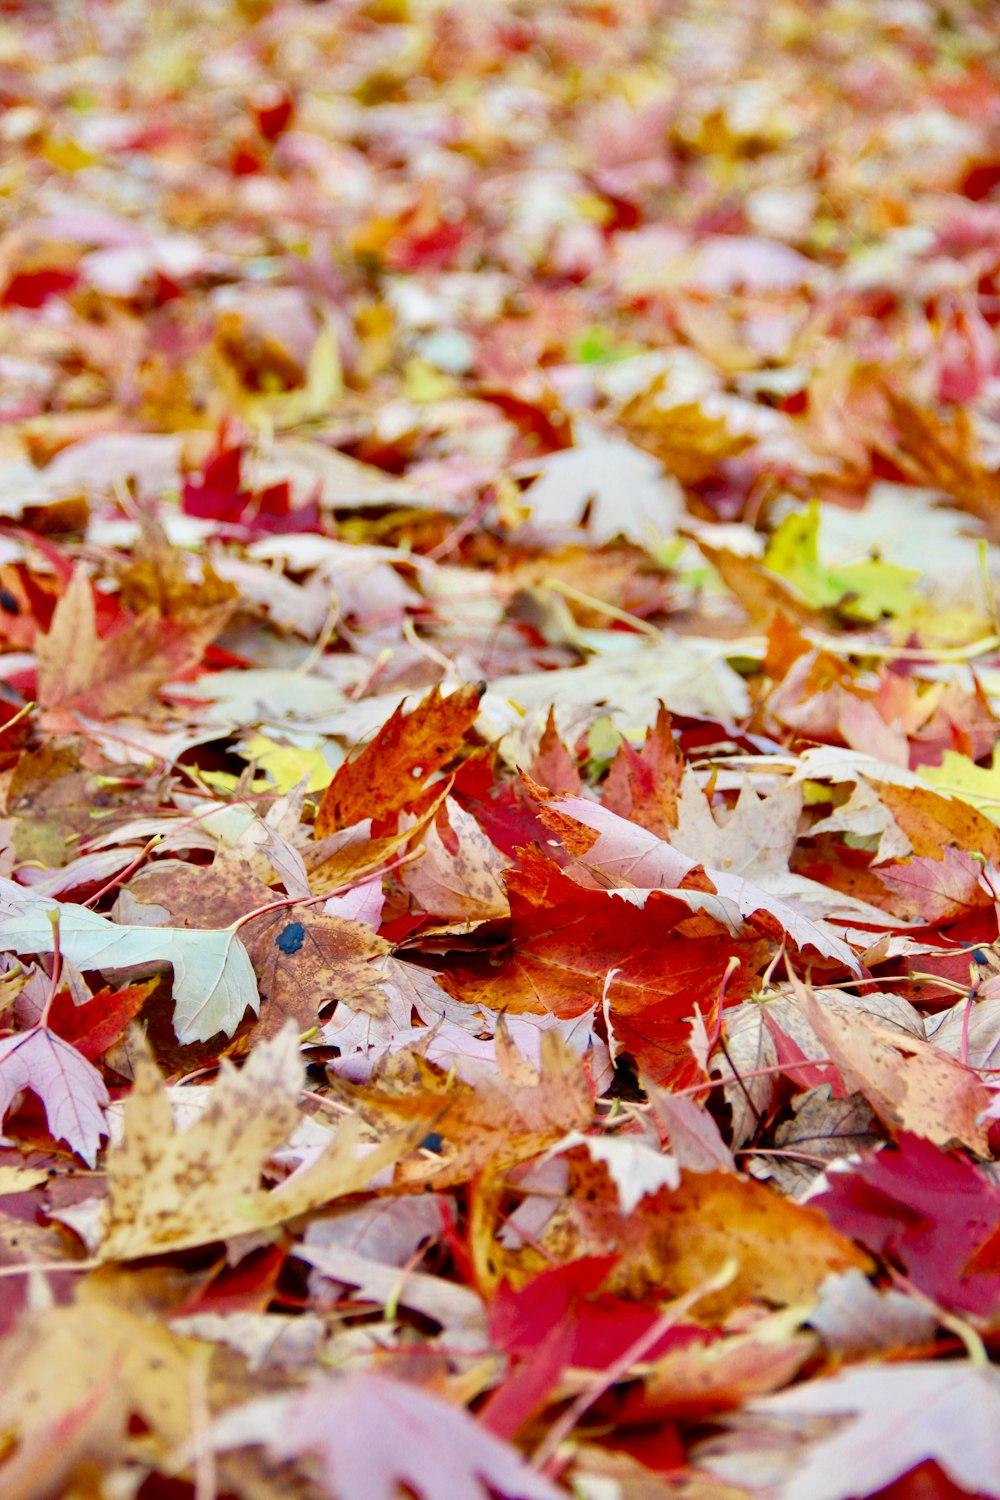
(499, 819)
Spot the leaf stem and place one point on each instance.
(52, 913)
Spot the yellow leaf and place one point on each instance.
(960, 777)
(288, 765)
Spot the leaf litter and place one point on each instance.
(499, 867)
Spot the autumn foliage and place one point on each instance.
(499, 786)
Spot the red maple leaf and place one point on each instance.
(928, 1210)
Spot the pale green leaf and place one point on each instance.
(214, 982)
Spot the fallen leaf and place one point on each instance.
(168, 1189)
(459, 874)
(99, 1022)
(393, 769)
(374, 1435)
(569, 948)
(122, 671)
(909, 1084)
(213, 981)
(691, 443)
(893, 1418)
(635, 1168)
(643, 785)
(58, 1358)
(69, 1086)
(928, 1210)
(860, 590)
(631, 856)
(678, 1239)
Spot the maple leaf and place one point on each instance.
(553, 766)
(213, 982)
(938, 890)
(374, 1435)
(302, 959)
(943, 452)
(120, 673)
(894, 1418)
(679, 1238)
(962, 778)
(909, 1084)
(643, 784)
(169, 1189)
(934, 1213)
(861, 590)
(610, 486)
(498, 1120)
(570, 948)
(704, 1376)
(691, 443)
(100, 1358)
(932, 821)
(69, 1086)
(99, 1022)
(633, 856)
(459, 872)
(561, 1320)
(393, 768)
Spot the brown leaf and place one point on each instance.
(158, 577)
(689, 443)
(497, 1122)
(459, 873)
(121, 672)
(98, 1359)
(302, 959)
(944, 453)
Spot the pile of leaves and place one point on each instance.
(499, 810)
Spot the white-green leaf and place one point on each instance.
(214, 982)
